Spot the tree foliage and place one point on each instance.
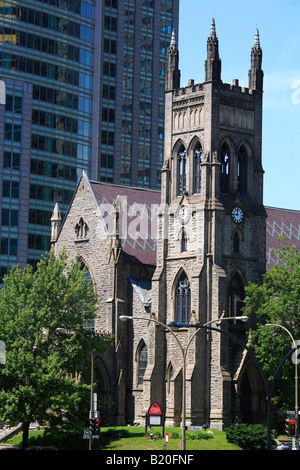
(33, 380)
(277, 301)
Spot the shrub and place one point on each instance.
(175, 435)
(116, 433)
(193, 435)
(247, 436)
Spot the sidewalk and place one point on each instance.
(8, 431)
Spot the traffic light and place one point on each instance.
(287, 427)
(292, 427)
(97, 426)
(93, 425)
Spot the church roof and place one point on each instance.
(138, 222)
(281, 222)
(138, 209)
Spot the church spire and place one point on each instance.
(255, 73)
(213, 62)
(173, 72)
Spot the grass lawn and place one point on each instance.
(130, 438)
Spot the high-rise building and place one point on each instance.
(84, 91)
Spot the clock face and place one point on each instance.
(184, 214)
(237, 215)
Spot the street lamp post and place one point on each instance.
(184, 355)
(294, 345)
(72, 332)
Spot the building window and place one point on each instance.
(38, 242)
(13, 104)
(12, 132)
(181, 171)
(182, 300)
(198, 155)
(9, 246)
(184, 241)
(11, 160)
(81, 230)
(10, 217)
(142, 364)
(10, 189)
(170, 373)
(236, 243)
(242, 171)
(225, 171)
(236, 296)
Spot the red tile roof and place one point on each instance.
(138, 228)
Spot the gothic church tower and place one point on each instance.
(211, 240)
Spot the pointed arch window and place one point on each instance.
(182, 300)
(198, 157)
(225, 171)
(170, 373)
(236, 243)
(236, 296)
(142, 363)
(184, 241)
(81, 230)
(181, 171)
(242, 171)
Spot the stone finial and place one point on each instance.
(255, 73)
(213, 33)
(213, 63)
(55, 224)
(256, 39)
(173, 38)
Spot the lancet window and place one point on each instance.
(225, 171)
(81, 230)
(142, 363)
(184, 241)
(236, 296)
(242, 171)
(198, 156)
(182, 300)
(181, 171)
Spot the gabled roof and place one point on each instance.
(138, 212)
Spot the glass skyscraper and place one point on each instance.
(84, 91)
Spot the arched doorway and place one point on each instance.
(103, 389)
(252, 396)
(246, 400)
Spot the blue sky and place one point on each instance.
(278, 22)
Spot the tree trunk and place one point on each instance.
(25, 435)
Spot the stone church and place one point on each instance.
(181, 255)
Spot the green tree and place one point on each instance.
(33, 381)
(277, 301)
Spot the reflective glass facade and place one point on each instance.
(136, 37)
(84, 90)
